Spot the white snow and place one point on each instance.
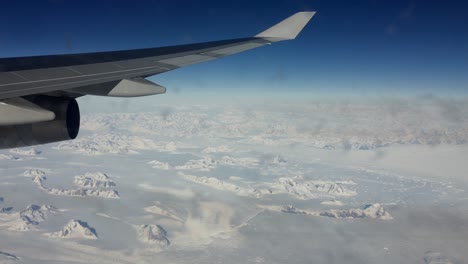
(26, 152)
(279, 160)
(153, 234)
(186, 193)
(223, 185)
(81, 192)
(205, 164)
(293, 210)
(111, 194)
(169, 147)
(309, 189)
(288, 209)
(33, 172)
(294, 186)
(166, 211)
(208, 163)
(100, 144)
(242, 162)
(362, 125)
(375, 211)
(33, 214)
(159, 165)
(218, 149)
(29, 217)
(94, 180)
(332, 203)
(116, 143)
(9, 157)
(240, 152)
(75, 229)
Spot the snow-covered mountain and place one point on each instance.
(26, 152)
(94, 180)
(9, 157)
(310, 189)
(232, 183)
(222, 185)
(296, 187)
(100, 144)
(153, 234)
(159, 165)
(75, 229)
(34, 214)
(362, 125)
(111, 194)
(82, 192)
(28, 218)
(34, 172)
(208, 163)
(8, 258)
(162, 210)
(375, 211)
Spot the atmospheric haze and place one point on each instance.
(369, 180)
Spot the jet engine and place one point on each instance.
(39, 120)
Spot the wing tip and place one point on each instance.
(289, 28)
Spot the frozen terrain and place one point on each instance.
(326, 182)
(75, 229)
(374, 211)
(26, 219)
(153, 234)
(94, 180)
(81, 181)
(26, 152)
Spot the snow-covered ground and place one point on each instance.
(94, 184)
(374, 211)
(75, 229)
(343, 182)
(153, 234)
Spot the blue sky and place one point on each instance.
(350, 47)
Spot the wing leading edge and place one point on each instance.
(78, 73)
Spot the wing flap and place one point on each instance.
(124, 88)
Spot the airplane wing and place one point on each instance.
(31, 86)
(43, 74)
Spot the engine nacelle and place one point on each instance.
(65, 126)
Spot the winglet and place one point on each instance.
(288, 28)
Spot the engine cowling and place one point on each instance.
(65, 126)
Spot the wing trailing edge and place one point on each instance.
(135, 87)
